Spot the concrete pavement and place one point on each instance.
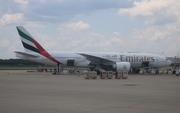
(33, 92)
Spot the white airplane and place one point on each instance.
(109, 61)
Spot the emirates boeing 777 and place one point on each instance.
(109, 61)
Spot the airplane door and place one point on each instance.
(70, 62)
(145, 64)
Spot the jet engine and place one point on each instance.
(122, 66)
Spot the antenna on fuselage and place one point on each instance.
(163, 53)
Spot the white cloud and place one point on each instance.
(4, 43)
(150, 34)
(157, 28)
(110, 44)
(34, 24)
(116, 34)
(146, 7)
(77, 26)
(11, 18)
(163, 34)
(154, 11)
(47, 42)
(72, 29)
(75, 43)
(155, 39)
(96, 35)
(23, 2)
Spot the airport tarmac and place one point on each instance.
(33, 92)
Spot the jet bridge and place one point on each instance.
(174, 60)
(175, 63)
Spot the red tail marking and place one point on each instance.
(44, 52)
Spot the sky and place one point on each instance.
(151, 26)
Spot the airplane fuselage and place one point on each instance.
(110, 61)
(135, 59)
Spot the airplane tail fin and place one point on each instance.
(29, 43)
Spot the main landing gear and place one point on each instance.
(156, 70)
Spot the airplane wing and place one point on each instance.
(96, 59)
(26, 54)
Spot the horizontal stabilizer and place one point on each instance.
(26, 54)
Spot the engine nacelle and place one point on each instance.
(122, 66)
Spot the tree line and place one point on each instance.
(18, 62)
